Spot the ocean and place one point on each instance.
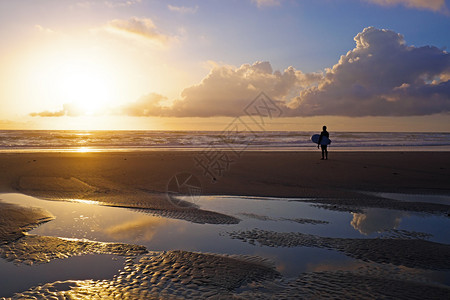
(98, 141)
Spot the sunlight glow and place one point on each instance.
(83, 150)
(84, 201)
(77, 81)
(86, 85)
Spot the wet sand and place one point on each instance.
(140, 180)
(111, 176)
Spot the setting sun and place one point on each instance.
(85, 85)
(82, 82)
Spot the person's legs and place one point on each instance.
(323, 150)
(326, 152)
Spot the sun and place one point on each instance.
(86, 82)
(83, 81)
(86, 85)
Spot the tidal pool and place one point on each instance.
(87, 220)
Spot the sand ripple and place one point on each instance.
(348, 285)
(16, 220)
(414, 253)
(167, 275)
(188, 275)
(297, 220)
(366, 201)
(35, 249)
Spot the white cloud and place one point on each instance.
(226, 91)
(148, 105)
(183, 9)
(83, 4)
(381, 76)
(43, 29)
(86, 4)
(141, 27)
(435, 5)
(263, 3)
(121, 3)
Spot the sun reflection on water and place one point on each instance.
(83, 150)
(85, 201)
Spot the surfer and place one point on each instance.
(324, 133)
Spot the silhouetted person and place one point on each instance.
(324, 147)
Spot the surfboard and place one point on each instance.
(324, 141)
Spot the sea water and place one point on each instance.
(90, 141)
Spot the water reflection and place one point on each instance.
(376, 220)
(83, 149)
(84, 201)
(83, 219)
(140, 229)
(15, 278)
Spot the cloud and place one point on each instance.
(46, 113)
(86, 4)
(69, 109)
(226, 91)
(138, 27)
(148, 105)
(263, 3)
(8, 124)
(121, 3)
(183, 9)
(43, 29)
(435, 5)
(382, 76)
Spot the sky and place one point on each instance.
(353, 65)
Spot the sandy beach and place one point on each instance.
(258, 149)
(348, 182)
(282, 174)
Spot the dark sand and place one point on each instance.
(107, 176)
(140, 179)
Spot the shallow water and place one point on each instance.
(18, 278)
(86, 220)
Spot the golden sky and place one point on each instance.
(171, 65)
